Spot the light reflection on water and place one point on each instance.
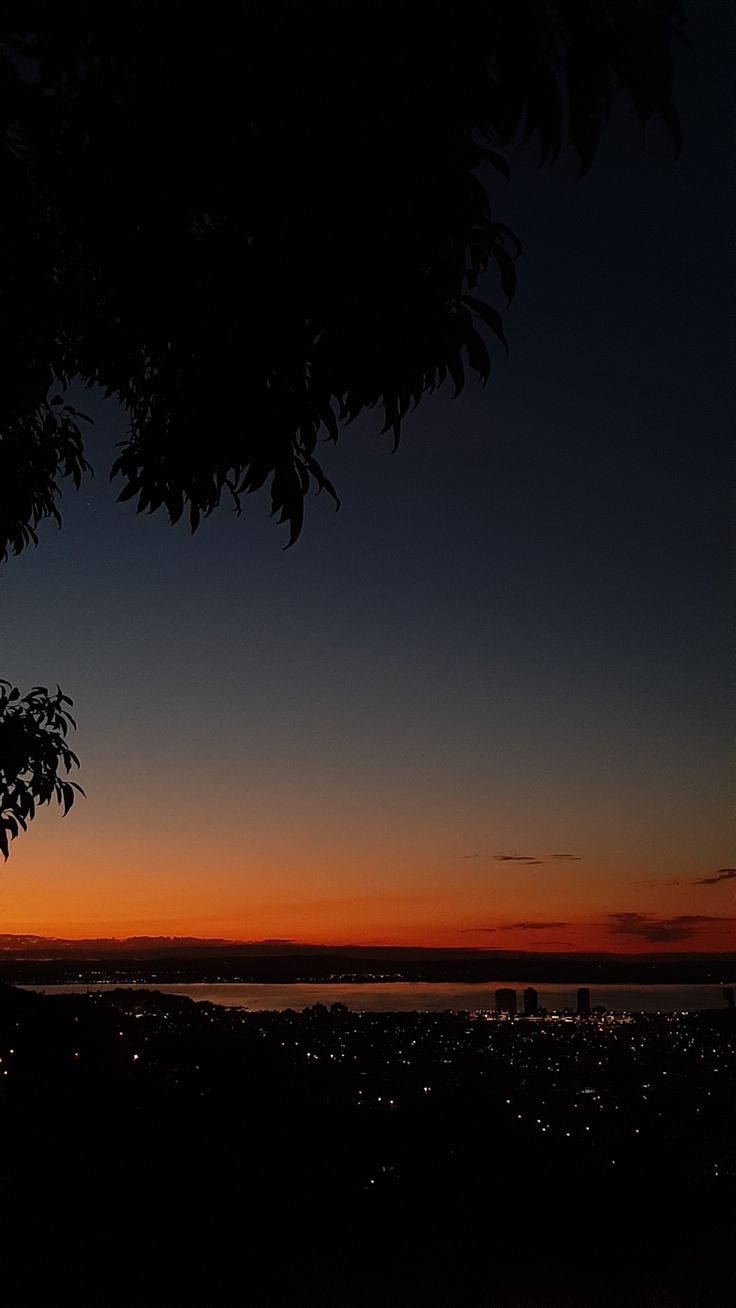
(406, 996)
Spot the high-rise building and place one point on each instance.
(506, 1002)
(583, 1002)
(531, 1002)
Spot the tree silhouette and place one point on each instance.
(33, 753)
(248, 240)
(249, 237)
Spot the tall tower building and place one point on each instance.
(506, 1002)
(531, 1002)
(583, 1002)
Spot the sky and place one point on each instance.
(513, 642)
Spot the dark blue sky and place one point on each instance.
(515, 636)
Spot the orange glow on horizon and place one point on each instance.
(77, 878)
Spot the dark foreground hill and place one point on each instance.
(158, 1149)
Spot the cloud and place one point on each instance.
(521, 926)
(530, 860)
(723, 874)
(644, 926)
(676, 881)
(533, 926)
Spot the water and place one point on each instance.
(406, 996)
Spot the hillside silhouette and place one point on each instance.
(329, 1158)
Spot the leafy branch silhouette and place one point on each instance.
(249, 246)
(33, 753)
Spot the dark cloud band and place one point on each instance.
(723, 874)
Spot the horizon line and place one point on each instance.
(21, 938)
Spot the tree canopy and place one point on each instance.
(250, 234)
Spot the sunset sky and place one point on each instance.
(511, 644)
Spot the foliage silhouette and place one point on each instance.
(33, 754)
(249, 239)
